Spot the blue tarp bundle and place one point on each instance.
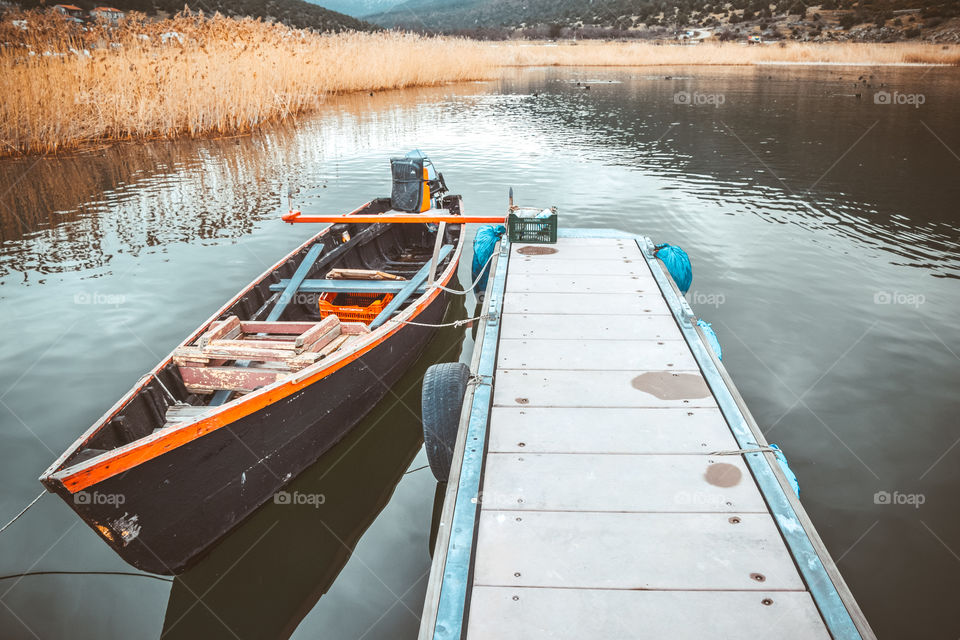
(483, 246)
(678, 264)
(787, 471)
(711, 338)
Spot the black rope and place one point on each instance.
(24, 574)
(84, 573)
(417, 469)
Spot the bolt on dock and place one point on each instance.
(608, 480)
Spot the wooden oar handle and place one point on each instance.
(297, 217)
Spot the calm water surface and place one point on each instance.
(825, 240)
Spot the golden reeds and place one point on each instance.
(63, 86)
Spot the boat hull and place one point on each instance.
(172, 508)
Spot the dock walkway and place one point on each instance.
(608, 481)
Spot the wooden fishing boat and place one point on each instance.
(269, 383)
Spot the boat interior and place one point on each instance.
(329, 293)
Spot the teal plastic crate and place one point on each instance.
(532, 230)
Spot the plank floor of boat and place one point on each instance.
(604, 513)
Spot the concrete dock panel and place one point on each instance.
(592, 355)
(558, 388)
(571, 249)
(663, 551)
(533, 265)
(582, 305)
(563, 614)
(620, 483)
(581, 284)
(611, 430)
(597, 327)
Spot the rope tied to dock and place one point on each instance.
(455, 323)
(740, 452)
(472, 286)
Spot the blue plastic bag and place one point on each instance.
(787, 471)
(677, 263)
(711, 337)
(483, 247)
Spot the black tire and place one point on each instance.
(444, 386)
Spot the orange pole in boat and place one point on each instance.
(295, 217)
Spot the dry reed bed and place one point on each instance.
(215, 76)
(64, 87)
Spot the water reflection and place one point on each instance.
(78, 211)
(779, 145)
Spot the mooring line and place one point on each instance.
(472, 286)
(35, 500)
(24, 574)
(417, 469)
(86, 573)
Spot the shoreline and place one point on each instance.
(65, 90)
(851, 64)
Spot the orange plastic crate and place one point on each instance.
(353, 307)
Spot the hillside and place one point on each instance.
(869, 20)
(294, 13)
(358, 8)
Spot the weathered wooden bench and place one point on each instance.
(262, 352)
(319, 285)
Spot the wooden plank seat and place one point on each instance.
(262, 352)
(316, 285)
(361, 274)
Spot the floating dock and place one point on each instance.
(608, 480)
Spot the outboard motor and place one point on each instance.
(415, 183)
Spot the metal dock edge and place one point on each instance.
(598, 527)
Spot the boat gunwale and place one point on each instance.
(78, 477)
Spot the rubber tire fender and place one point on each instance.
(444, 386)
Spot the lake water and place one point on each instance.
(824, 234)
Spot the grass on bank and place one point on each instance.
(64, 86)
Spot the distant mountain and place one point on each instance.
(358, 8)
(449, 15)
(879, 20)
(294, 13)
